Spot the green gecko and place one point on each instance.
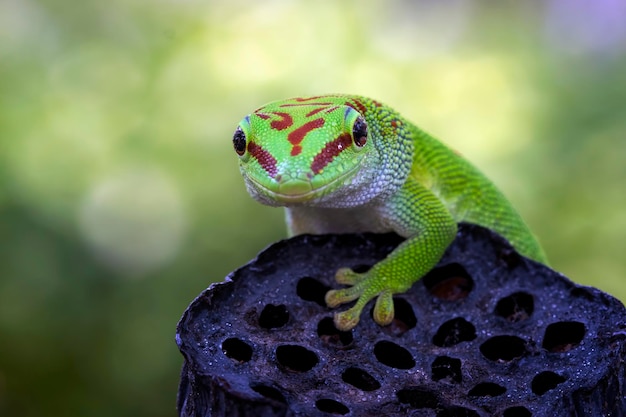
(347, 164)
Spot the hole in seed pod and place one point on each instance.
(545, 381)
(360, 379)
(516, 307)
(237, 349)
(450, 282)
(563, 336)
(327, 405)
(362, 268)
(269, 392)
(457, 411)
(404, 317)
(296, 358)
(417, 397)
(444, 367)
(273, 316)
(503, 348)
(310, 289)
(582, 293)
(453, 332)
(517, 411)
(510, 257)
(330, 335)
(487, 389)
(395, 356)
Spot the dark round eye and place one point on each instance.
(359, 132)
(239, 141)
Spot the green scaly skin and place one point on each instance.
(344, 164)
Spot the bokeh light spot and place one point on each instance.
(134, 222)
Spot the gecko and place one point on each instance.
(350, 164)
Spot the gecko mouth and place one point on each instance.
(298, 190)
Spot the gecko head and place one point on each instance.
(313, 151)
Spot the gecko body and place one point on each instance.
(345, 164)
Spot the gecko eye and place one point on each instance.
(239, 141)
(359, 132)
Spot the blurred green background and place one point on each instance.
(120, 196)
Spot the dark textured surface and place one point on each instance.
(486, 333)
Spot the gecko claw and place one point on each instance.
(347, 320)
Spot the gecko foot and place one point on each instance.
(364, 287)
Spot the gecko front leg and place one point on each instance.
(414, 212)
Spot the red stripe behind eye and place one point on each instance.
(263, 157)
(330, 151)
(359, 106)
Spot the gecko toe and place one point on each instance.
(347, 320)
(335, 298)
(347, 276)
(383, 309)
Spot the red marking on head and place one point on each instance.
(263, 116)
(263, 157)
(314, 112)
(358, 106)
(330, 151)
(307, 98)
(296, 136)
(283, 123)
(305, 104)
(296, 150)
